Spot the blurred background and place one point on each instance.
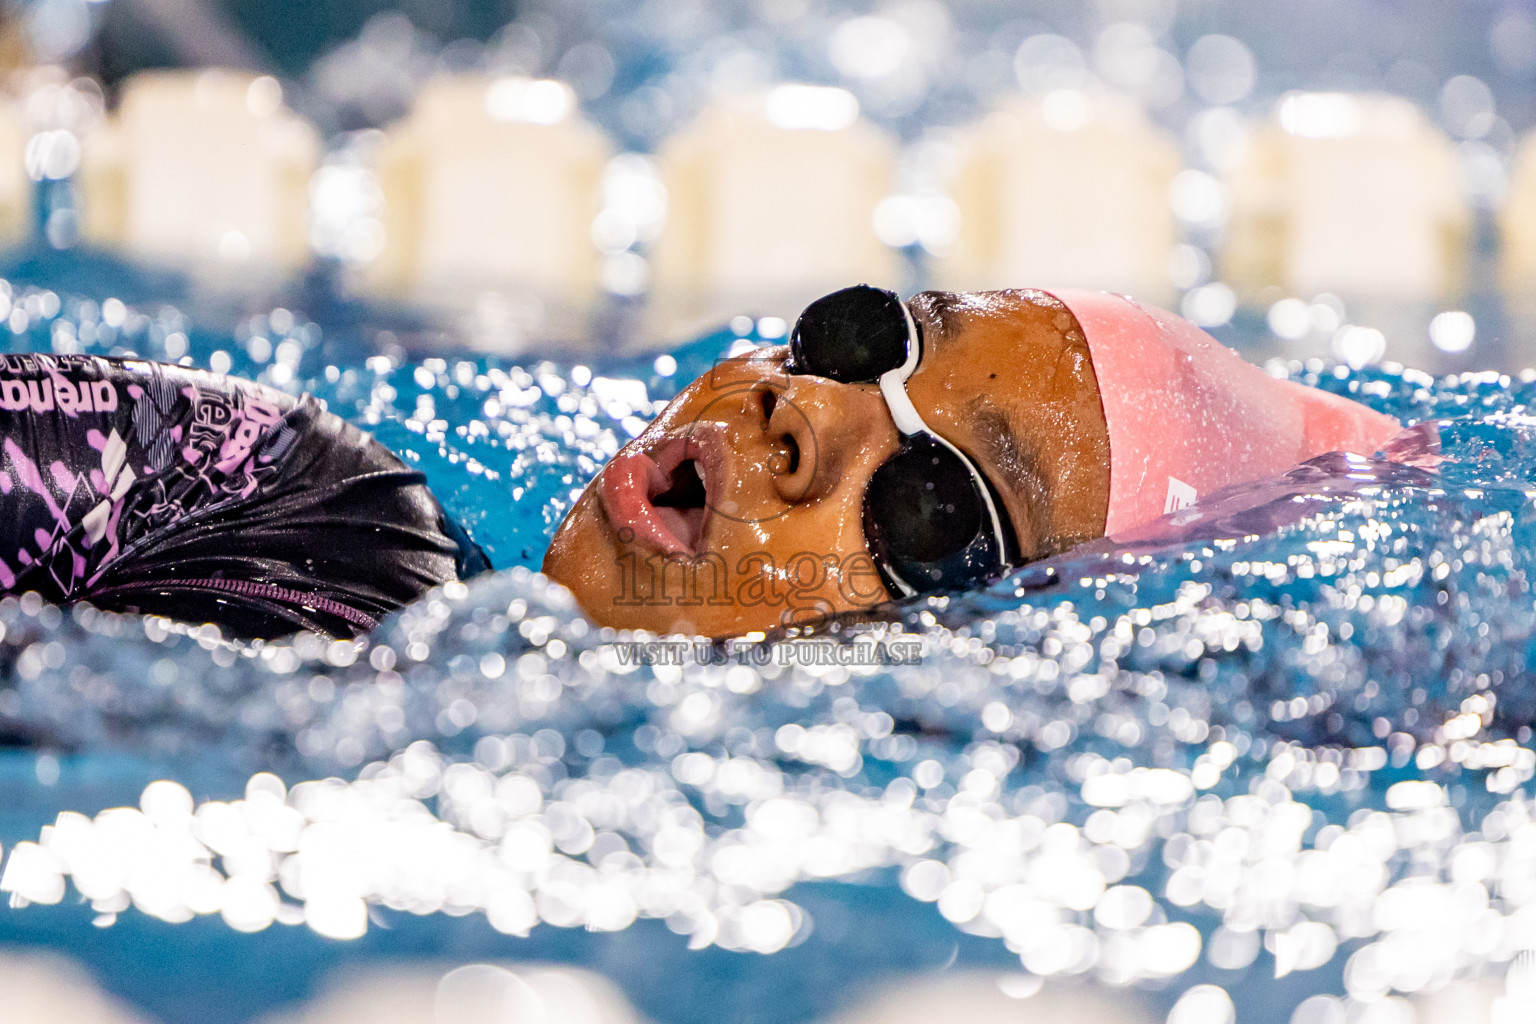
(1350, 179)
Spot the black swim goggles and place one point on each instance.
(932, 520)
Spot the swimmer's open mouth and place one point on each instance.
(663, 496)
(683, 505)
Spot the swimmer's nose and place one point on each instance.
(818, 428)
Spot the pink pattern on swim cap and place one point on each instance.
(1188, 416)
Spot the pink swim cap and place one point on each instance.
(1188, 416)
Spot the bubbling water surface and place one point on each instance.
(1289, 726)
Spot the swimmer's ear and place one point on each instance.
(470, 560)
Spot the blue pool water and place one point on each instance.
(1281, 745)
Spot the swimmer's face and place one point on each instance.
(741, 507)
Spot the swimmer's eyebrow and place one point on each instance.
(1016, 464)
(939, 314)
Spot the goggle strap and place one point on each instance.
(893, 388)
(903, 588)
(893, 383)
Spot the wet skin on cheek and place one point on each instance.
(1005, 376)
